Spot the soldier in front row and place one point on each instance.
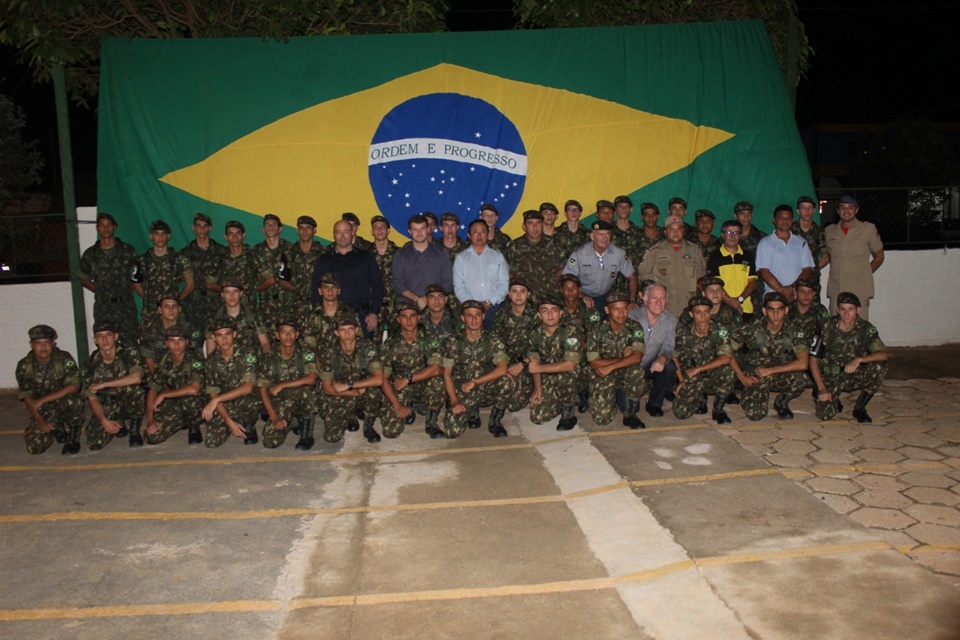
(231, 377)
(702, 354)
(49, 380)
(850, 356)
(554, 358)
(288, 389)
(111, 379)
(173, 397)
(584, 318)
(437, 318)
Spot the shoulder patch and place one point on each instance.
(722, 332)
(572, 342)
(69, 362)
(195, 334)
(309, 356)
(638, 332)
(872, 331)
(197, 364)
(251, 358)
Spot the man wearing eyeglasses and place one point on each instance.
(736, 267)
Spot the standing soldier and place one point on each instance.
(584, 318)
(555, 355)
(514, 324)
(770, 354)
(236, 264)
(535, 259)
(614, 350)
(49, 383)
(850, 356)
(105, 270)
(806, 228)
(626, 233)
(450, 241)
(475, 375)
(550, 214)
(251, 330)
(650, 232)
(357, 241)
(153, 337)
(160, 269)
(438, 319)
(496, 239)
(411, 375)
(288, 389)
(572, 234)
(205, 256)
(384, 249)
(351, 375)
(318, 325)
(702, 354)
(704, 238)
(272, 261)
(231, 377)
(111, 384)
(301, 258)
(173, 396)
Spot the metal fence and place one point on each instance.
(33, 248)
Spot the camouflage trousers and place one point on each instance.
(493, 393)
(521, 388)
(603, 403)
(290, 405)
(717, 382)
(428, 392)
(387, 319)
(559, 392)
(62, 414)
(868, 377)
(337, 412)
(124, 403)
(172, 416)
(755, 400)
(123, 314)
(245, 410)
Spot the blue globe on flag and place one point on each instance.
(446, 152)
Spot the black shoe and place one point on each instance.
(498, 431)
(860, 410)
(60, 436)
(305, 444)
(434, 432)
(264, 416)
(70, 448)
(353, 425)
(123, 433)
(860, 414)
(360, 415)
(784, 413)
(583, 401)
(410, 419)
(733, 399)
(671, 396)
(839, 406)
(297, 430)
(371, 435)
(702, 410)
(194, 436)
(136, 440)
(251, 436)
(634, 422)
(566, 424)
(474, 423)
(721, 417)
(656, 412)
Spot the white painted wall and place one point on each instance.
(917, 303)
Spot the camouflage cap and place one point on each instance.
(159, 225)
(709, 281)
(330, 278)
(774, 296)
(699, 301)
(604, 204)
(42, 332)
(234, 224)
(307, 220)
(569, 277)
(236, 284)
(704, 213)
(623, 200)
(224, 322)
(350, 217)
(177, 331)
(677, 200)
(486, 206)
(270, 216)
(532, 214)
(848, 298)
(805, 200)
(104, 326)
(434, 288)
(202, 217)
(518, 282)
(549, 206)
(106, 216)
(472, 304)
(406, 304)
(346, 318)
(432, 216)
(169, 294)
(550, 300)
(375, 219)
(288, 322)
(644, 206)
(617, 296)
(572, 203)
(449, 217)
(601, 225)
(806, 282)
(743, 205)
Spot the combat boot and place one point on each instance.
(432, 429)
(353, 424)
(71, 444)
(495, 425)
(783, 411)
(124, 432)
(410, 419)
(306, 441)
(473, 419)
(368, 431)
(250, 433)
(732, 399)
(136, 440)
(583, 401)
(630, 418)
(718, 413)
(702, 409)
(860, 409)
(568, 420)
(194, 435)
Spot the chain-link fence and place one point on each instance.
(33, 248)
(907, 218)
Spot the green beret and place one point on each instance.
(774, 296)
(572, 203)
(517, 282)
(569, 277)
(236, 284)
(107, 216)
(233, 224)
(549, 206)
(808, 283)
(346, 318)
(623, 200)
(449, 216)
(375, 219)
(287, 322)
(705, 213)
(42, 332)
(604, 204)
(406, 304)
(486, 206)
(350, 217)
(743, 205)
(532, 214)
(270, 216)
(550, 300)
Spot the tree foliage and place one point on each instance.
(20, 161)
(904, 153)
(68, 32)
(776, 14)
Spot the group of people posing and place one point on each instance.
(561, 320)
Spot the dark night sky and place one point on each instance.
(872, 63)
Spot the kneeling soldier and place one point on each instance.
(474, 375)
(49, 380)
(173, 398)
(411, 374)
(554, 359)
(111, 384)
(231, 376)
(702, 353)
(288, 388)
(351, 375)
(850, 356)
(770, 354)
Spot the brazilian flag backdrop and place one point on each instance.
(400, 124)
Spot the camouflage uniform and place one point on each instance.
(499, 241)
(388, 313)
(709, 247)
(113, 300)
(628, 240)
(175, 414)
(559, 390)
(470, 360)
(275, 302)
(460, 246)
(36, 380)
(603, 344)
(514, 332)
(119, 403)
(301, 274)
(692, 350)
(153, 342)
(817, 241)
(726, 317)
(812, 321)
(161, 274)
(764, 349)
(644, 242)
(249, 326)
(842, 347)
(585, 319)
(223, 376)
(399, 358)
(538, 265)
(448, 326)
(200, 305)
(336, 366)
(298, 403)
(570, 241)
(317, 328)
(238, 269)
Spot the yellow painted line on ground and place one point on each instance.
(766, 471)
(933, 548)
(374, 599)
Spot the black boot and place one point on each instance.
(496, 426)
(250, 433)
(732, 399)
(410, 419)
(433, 429)
(124, 432)
(473, 419)
(353, 425)
(630, 418)
(369, 432)
(860, 409)
(194, 436)
(718, 413)
(306, 441)
(136, 440)
(568, 419)
(71, 441)
(702, 409)
(583, 401)
(783, 411)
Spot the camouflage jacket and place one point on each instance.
(238, 269)
(266, 262)
(301, 270)
(204, 263)
(692, 350)
(317, 328)
(756, 347)
(224, 375)
(250, 325)
(570, 241)
(452, 252)
(109, 270)
(565, 345)
(470, 360)
(725, 317)
(603, 343)
(385, 262)
(273, 368)
(161, 274)
(815, 237)
(514, 331)
(95, 370)
(843, 346)
(337, 366)
(585, 318)
(153, 342)
(448, 326)
(812, 320)
(537, 265)
(36, 380)
(170, 376)
(401, 357)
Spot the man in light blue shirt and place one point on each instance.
(481, 273)
(783, 257)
